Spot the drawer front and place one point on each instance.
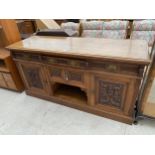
(9, 81)
(67, 76)
(27, 56)
(65, 62)
(56, 73)
(74, 76)
(129, 69)
(115, 67)
(2, 81)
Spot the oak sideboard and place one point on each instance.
(100, 76)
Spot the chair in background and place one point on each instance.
(92, 29)
(115, 29)
(71, 26)
(144, 30)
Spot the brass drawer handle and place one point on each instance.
(73, 63)
(66, 76)
(112, 68)
(51, 60)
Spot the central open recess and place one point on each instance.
(70, 93)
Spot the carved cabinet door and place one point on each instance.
(114, 93)
(34, 77)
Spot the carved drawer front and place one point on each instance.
(67, 76)
(27, 56)
(56, 74)
(75, 77)
(111, 67)
(110, 92)
(65, 61)
(33, 76)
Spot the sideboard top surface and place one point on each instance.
(134, 51)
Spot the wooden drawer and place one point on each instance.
(9, 81)
(2, 81)
(74, 77)
(115, 67)
(107, 66)
(27, 56)
(68, 76)
(65, 61)
(56, 74)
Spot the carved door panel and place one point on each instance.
(114, 93)
(34, 77)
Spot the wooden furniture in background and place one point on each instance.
(26, 27)
(60, 21)
(47, 24)
(100, 76)
(9, 75)
(10, 31)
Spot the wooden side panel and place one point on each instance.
(10, 31)
(2, 81)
